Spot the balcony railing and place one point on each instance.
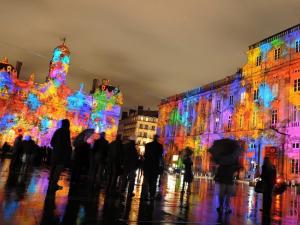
(295, 124)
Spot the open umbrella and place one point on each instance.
(84, 135)
(225, 151)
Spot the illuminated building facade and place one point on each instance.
(259, 106)
(36, 109)
(141, 124)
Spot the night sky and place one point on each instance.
(151, 49)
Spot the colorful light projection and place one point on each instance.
(259, 106)
(36, 109)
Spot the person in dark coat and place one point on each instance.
(61, 153)
(5, 149)
(115, 162)
(225, 178)
(268, 176)
(152, 162)
(188, 171)
(98, 158)
(17, 152)
(29, 149)
(81, 160)
(130, 164)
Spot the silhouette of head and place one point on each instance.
(155, 137)
(119, 137)
(102, 135)
(65, 124)
(267, 161)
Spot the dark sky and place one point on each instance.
(151, 49)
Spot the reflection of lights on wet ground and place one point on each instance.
(251, 201)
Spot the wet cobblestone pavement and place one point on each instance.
(24, 200)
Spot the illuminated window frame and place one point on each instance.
(258, 60)
(297, 85)
(297, 46)
(274, 117)
(277, 53)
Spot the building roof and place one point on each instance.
(202, 89)
(275, 36)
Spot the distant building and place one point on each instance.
(139, 123)
(35, 109)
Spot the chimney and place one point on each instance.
(140, 109)
(95, 85)
(18, 68)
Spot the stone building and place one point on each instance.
(141, 124)
(259, 105)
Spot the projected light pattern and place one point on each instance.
(259, 106)
(36, 109)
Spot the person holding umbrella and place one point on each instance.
(81, 154)
(226, 153)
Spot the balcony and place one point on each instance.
(295, 124)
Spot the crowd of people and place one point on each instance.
(114, 165)
(98, 162)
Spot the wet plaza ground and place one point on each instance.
(24, 200)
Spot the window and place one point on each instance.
(275, 90)
(141, 126)
(298, 46)
(243, 96)
(255, 95)
(140, 134)
(146, 126)
(295, 145)
(254, 119)
(297, 85)
(295, 114)
(277, 53)
(294, 165)
(258, 60)
(274, 116)
(153, 127)
(252, 146)
(145, 134)
(203, 108)
(201, 127)
(231, 100)
(241, 121)
(229, 123)
(219, 105)
(217, 123)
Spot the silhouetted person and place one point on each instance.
(29, 148)
(81, 160)
(268, 175)
(61, 153)
(17, 152)
(5, 149)
(188, 171)
(152, 162)
(115, 162)
(225, 177)
(131, 158)
(98, 158)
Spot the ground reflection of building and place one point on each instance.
(139, 123)
(36, 108)
(258, 105)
